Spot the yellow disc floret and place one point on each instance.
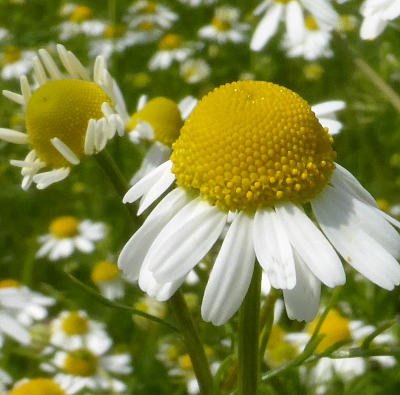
(104, 271)
(11, 54)
(221, 25)
(62, 109)
(164, 117)
(170, 41)
(311, 23)
(64, 227)
(253, 144)
(81, 13)
(335, 328)
(9, 283)
(80, 363)
(38, 387)
(75, 324)
(185, 362)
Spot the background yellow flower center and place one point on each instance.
(74, 324)
(62, 109)
(170, 41)
(335, 328)
(9, 283)
(12, 54)
(185, 362)
(311, 23)
(81, 13)
(164, 117)
(81, 363)
(104, 271)
(150, 8)
(38, 387)
(112, 31)
(221, 25)
(64, 227)
(252, 144)
(283, 1)
(147, 26)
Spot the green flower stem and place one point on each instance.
(177, 303)
(193, 343)
(249, 328)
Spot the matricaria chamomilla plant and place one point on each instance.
(251, 157)
(69, 115)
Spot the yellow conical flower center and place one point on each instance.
(75, 324)
(147, 26)
(173, 354)
(170, 41)
(112, 31)
(9, 283)
(150, 8)
(311, 23)
(252, 144)
(164, 117)
(38, 387)
(335, 328)
(62, 109)
(104, 271)
(81, 13)
(80, 363)
(64, 227)
(221, 25)
(12, 54)
(185, 362)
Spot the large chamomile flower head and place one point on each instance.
(250, 156)
(37, 386)
(68, 116)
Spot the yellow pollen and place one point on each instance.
(221, 25)
(104, 271)
(170, 41)
(147, 26)
(74, 324)
(38, 387)
(185, 362)
(335, 328)
(164, 117)
(9, 283)
(81, 14)
(311, 23)
(113, 31)
(80, 363)
(62, 109)
(64, 227)
(11, 54)
(232, 148)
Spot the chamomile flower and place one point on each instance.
(194, 70)
(314, 43)
(37, 386)
(82, 369)
(326, 114)
(290, 11)
(67, 234)
(73, 330)
(106, 276)
(197, 3)
(225, 26)
(377, 14)
(159, 121)
(67, 117)
(15, 62)
(257, 150)
(151, 306)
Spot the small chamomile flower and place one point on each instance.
(314, 43)
(158, 121)
(225, 26)
(67, 234)
(15, 62)
(67, 117)
(291, 11)
(197, 3)
(326, 114)
(256, 149)
(37, 386)
(106, 276)
(4, 33)
(151, 306)
(194, 70)
(377, 14)
(73, 330)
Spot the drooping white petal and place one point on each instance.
(43, 180)
(185, 240)
(302, 301)
(231, 274)
(64, 150)
(372, 27)
(323, 12)
(12, 328)
(273, 249)
(333, 125)
(13, 136)
(328, 108)
(311, 245)
(294, 22)
(356, 246)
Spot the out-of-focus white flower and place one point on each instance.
(225, 26)
(292, 13)
(196, 3)
(150, 306)
(377, 14)
(15, 62)
(67, 234)
(326, 114)
(5, 381)
(194, 70)
(73, 330)
(4, 33)
(106, 276)
(313, 44)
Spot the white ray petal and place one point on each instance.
(89, 138)
(78, 67)
(99, 66)
(294, 22)
(43, 180)
(328, 107)
(50, 65)
(231, 274)
(12, 328)
(64, 150)
(273, 249)
(186, 106)
(25, 89)
(39, 71)
(65, 60)
(13, 136)
(311, 245)
(15, 97)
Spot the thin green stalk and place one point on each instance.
(249, 328)
(193, 343)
